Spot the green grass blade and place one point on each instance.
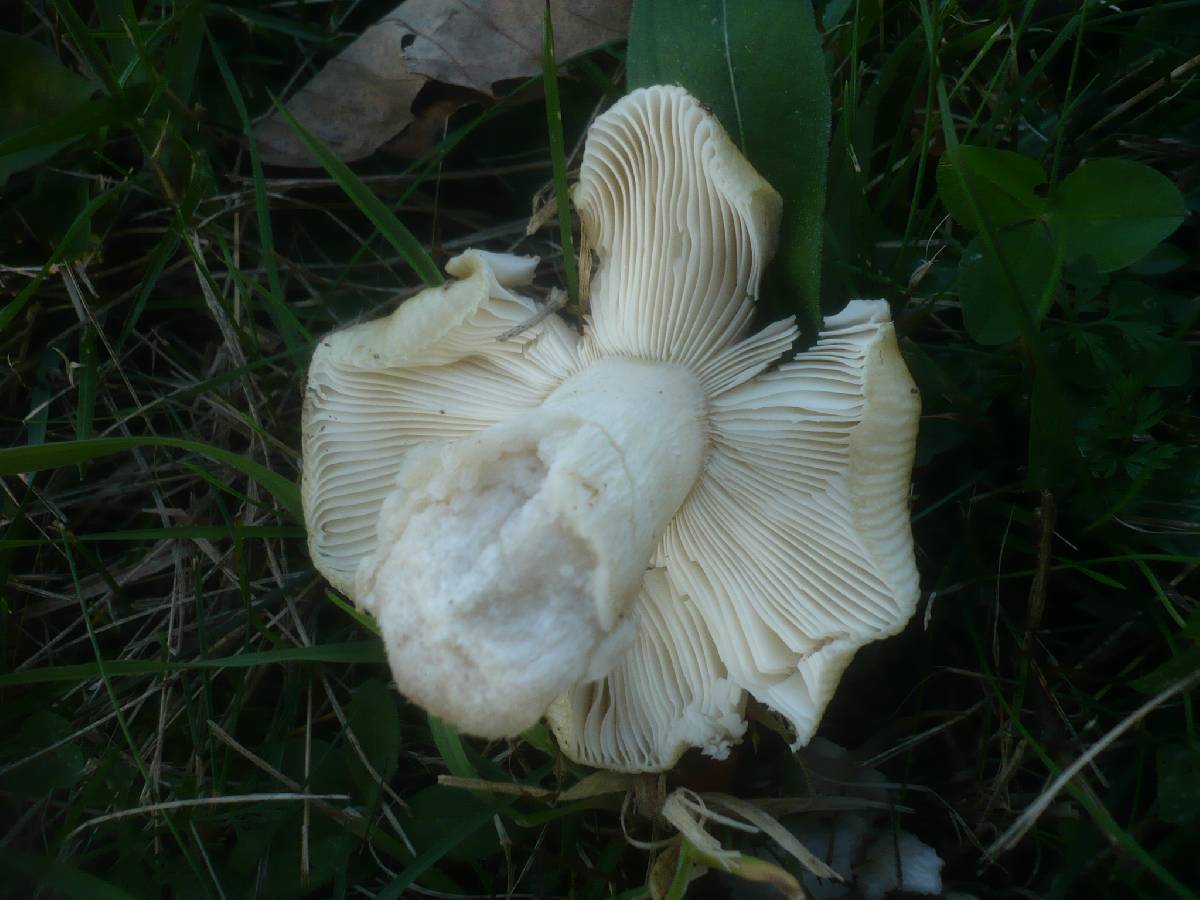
(371, 206)
(450, 746)
(353, 612)
(87, 47)
(419, 866)
(85, 410)
(81, 222)
(75, 123)
(683, 868)
(293, 333)
(558, 157)
(19, 460)
(346, 653)
(173, 533)
(155, 264)
(103, 673)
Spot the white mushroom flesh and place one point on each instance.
(508, 559)
(432, 371)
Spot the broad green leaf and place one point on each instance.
(440, 819)
(1115, 211)
(55, 131)
(58, 877)
(1167, 365)
(34, 79)
(268, 853)
(759, 67)
(443, 847)
(1166, 674)
(994, 291)
(35, 89)
(1004, 185)
(19, 460)
(49, 771)
(374, 718)
(1179, 784)
(1162, 260)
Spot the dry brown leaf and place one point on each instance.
(364, 96)
(476, 43)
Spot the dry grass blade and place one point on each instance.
(1172, 77)
(597, 784)
(555, 301)
(164, 805)
(1029, 816)
(774, 830)
(496, 787)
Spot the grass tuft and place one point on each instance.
(186, 709)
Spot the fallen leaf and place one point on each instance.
(365, 95)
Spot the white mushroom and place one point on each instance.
(627, 531)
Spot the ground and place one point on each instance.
(168, 654)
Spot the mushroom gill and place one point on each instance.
(625, 531)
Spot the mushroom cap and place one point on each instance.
(682, 224)
(792, 547)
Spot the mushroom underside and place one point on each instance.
(631, 530)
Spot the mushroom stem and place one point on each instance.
(508, 560)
